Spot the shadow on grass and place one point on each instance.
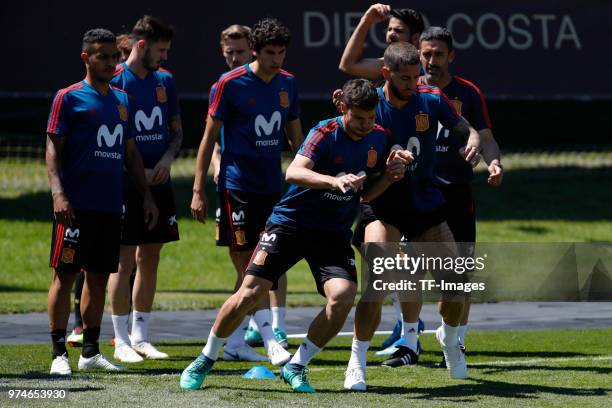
(492, 368)
(569, 193)
(516, 354)
(498, 389)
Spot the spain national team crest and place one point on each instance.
(260, 258)
(422, 122)
(240, 237)
(123, 115)
(161, 94)
(68, 255)
(372, 157)
(457, 104)
(283, 99)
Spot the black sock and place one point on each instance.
(78, 289)
(58, 340)
(90, 342)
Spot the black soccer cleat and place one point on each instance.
(443, 362)
(402, 357)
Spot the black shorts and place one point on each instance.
(282, 246)
(135, 230)
(460, 210)
(91, 243)
(410, 225)
(241, 217)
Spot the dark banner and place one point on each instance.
(510, 49)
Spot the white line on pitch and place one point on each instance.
(302, 335)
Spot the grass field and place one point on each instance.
(558, 197)
(532, 368)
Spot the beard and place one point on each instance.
(397, 93)
(148, 61)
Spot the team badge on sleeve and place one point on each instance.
(457, 104)
(284, 99)
(372, 157)
(422, 122)
(123, 115)
(161, 94)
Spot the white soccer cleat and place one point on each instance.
(147, 350)
(242, 353)
(126, 354)
(278, 355)
(99, 361)
(60, 366)
(354, 379)
(455, 359)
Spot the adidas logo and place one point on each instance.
(266, 324)
(411, 331)
(139, 319)
(62, 340)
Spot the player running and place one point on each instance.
(412, 208)
(158, 135)
(89, 141)
(452, 172)
(254, 104)
(312, 222)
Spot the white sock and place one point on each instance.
(213, 346)
(359, 350)
(305, 353)
(397, 306)
(461, 332)
(140, 326)
(236, 339)
(410, 332)
(278, 318)
(263, 318)
(121, 326)
(449, 335)
(253, 323)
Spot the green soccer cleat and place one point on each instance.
(296, 376)
(193, 376)
(281, 337)
(253, 338)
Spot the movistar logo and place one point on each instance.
(72, 233)
(148, 122)
(110, 138)
(238, 216)
(267, 238)
(267, 127)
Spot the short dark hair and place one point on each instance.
(359, 93)
(400, 53)
(235, 32)
(97, 35)
(151, 28)
(438, 33)
(412, 18)
(269, 31)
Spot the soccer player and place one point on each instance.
(412, 208)
(75, 338)
(236, 50)
(158, 134)
(405, 25)
(312, 222)
(254, 104)
(453, 173)
(89, 141)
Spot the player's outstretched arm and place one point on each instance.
(161, 172)
(300, 173)
(352, 61)
(135, 168)
(199, 204)
(62, 210)
(492, 156)
(295, 135)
